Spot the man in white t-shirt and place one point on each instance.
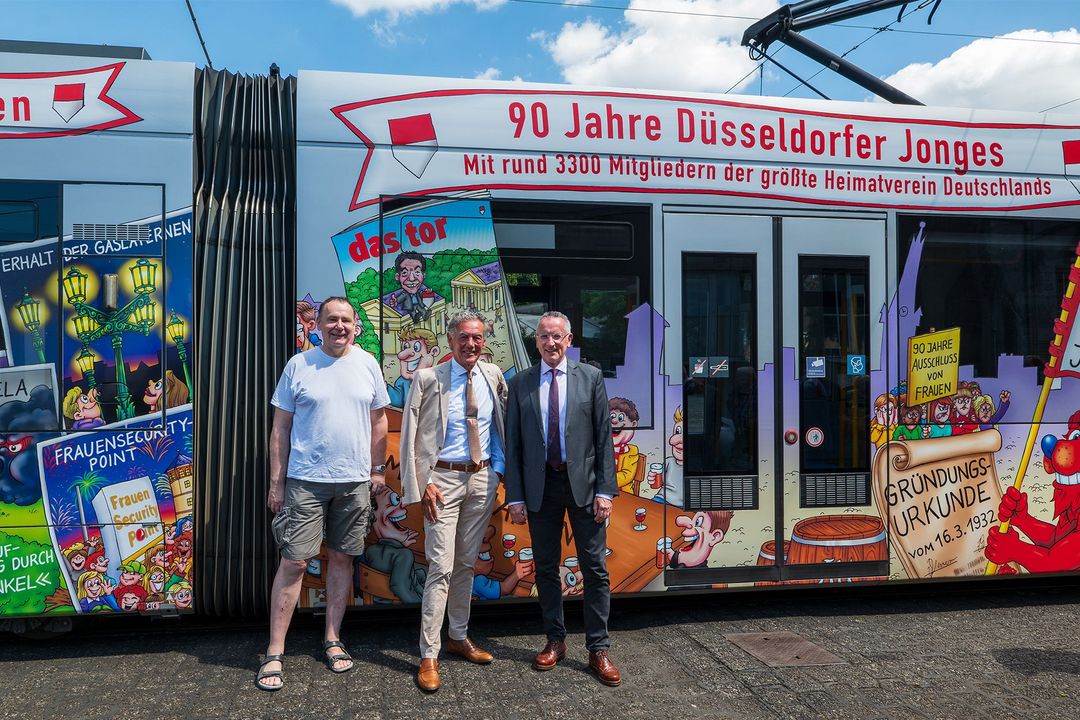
(329, 424)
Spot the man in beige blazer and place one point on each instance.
(452, 459)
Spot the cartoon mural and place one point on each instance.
(933, 439)
(97, 521)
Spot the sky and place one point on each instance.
(1000, 54)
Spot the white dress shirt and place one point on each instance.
(456, 444)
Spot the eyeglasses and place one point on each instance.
(557, 337)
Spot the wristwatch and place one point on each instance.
(378, 469)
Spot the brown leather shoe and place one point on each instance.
(467, 649)
(605, 670)
(553, 652)
(427, 677)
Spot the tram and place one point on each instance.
(837, 337)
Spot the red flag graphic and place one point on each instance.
(413, 142)
(415, 129)
(69, 99)
(70, 92)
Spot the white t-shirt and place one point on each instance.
(331, 400)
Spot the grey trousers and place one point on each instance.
(546, 529)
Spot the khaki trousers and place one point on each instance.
(451, 544)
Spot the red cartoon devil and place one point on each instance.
(1053, 548)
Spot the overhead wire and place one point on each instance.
(206, 53)
(690, 13)
(871, 36)
(759, 67)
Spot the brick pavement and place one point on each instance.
(973, 652)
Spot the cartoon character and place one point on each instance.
(76, 554)
(1052, 548)
(181, 560)
(306, 335)
(131, 574)
(984, 409)
(358, 331)
(93, 592)
(18, 467)
(129, 598)
(885, 416)
(99, 563)
(573, 583)
(390, 553)
(419, 350)
(963, 416)
(154, 584)
(20, 483)
(701, 533)
(624, 418)
(940, 414)
(180, 592)
(410, 268)
(175, 391)
(672, 477)
(155, 556)
(486, 587)
(912, 428)
(83, 408)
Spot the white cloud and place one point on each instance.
(684, 48)
(493, 73)
(396, 8)
(1000, 74)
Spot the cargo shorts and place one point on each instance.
(340, 512)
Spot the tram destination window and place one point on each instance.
(1000, 280)
(589, 261)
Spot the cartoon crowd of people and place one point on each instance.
(968, 410)
(162, 577)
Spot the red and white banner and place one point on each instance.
(54, 104)
(455, 139)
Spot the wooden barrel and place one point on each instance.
(837, 538)
(767, 556)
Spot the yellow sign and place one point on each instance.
(933, 365)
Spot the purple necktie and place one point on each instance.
(554, 445)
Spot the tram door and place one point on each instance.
(773, 333)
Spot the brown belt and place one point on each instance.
(462, 466)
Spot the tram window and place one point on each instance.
(588, 261)
(1000, 280)
(834, 327)
(719, 317)
(28, 211)
(28, 214)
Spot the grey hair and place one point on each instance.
(555, 314)
(463, 316)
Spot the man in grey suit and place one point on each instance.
(451, 458)
(559, 462)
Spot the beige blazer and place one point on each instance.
(423, 423)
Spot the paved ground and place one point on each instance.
(971, 652)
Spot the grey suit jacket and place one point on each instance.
(423, 422)
(590, 456)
